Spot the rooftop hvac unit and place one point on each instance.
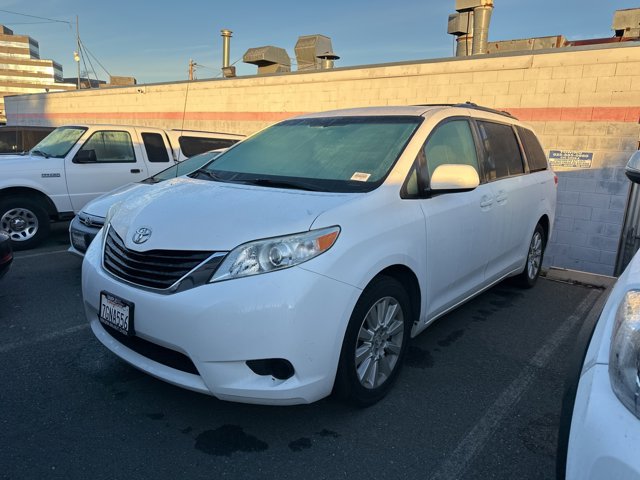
(269, 59)
(626, 23)
(308, 48)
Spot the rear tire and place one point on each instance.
(375, 342)
(25, 220)
(529, 276)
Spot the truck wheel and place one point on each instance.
(25, 220)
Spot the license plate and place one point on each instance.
(79, 241)
(116, 313)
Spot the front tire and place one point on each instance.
(374, 343)
(535, 255)
(25, 220)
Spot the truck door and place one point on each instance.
(157, 151)
(107, 160)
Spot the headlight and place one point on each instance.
(276, 253)
(624, 355)
(112, 210)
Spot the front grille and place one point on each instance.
(155, 269)
(154, 352)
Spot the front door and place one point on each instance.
(107, 160)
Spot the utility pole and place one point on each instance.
(78, 46)
(192, 64)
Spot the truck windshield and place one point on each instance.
(334, 154)
(58, 143)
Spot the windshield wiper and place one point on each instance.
(292, 184)
(41, 153)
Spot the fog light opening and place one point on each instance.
(276, 367)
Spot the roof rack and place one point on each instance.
(471, 105)
(484, 109)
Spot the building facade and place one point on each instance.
(22, 70)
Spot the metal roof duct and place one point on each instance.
(482, 10)
(308, 50)
(227, 70)
(461, 25)
(269, 59)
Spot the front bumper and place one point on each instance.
(81, 235)
(291, 314)
(604, 435)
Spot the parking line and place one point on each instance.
(8, 347)
(457, 462)
(41, 254)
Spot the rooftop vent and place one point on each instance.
(309, 50)
(269, 59)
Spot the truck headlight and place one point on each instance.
(624, 354)
(276, 253)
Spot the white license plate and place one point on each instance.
(116, 313)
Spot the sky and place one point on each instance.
(154, 40)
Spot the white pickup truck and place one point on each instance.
(75, 164)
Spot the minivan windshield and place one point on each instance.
(334, 154)
(58, 143)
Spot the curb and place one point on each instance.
(578, 277)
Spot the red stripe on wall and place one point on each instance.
(231, 116)
(573, 114)
(578, 114)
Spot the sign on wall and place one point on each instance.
(570, 159)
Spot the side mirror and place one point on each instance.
(632, 169)
(454, 178)
(85, 156)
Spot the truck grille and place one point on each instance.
(155, 269)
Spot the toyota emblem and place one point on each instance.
(142, 235)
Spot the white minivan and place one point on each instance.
(303, 258)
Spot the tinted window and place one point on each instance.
(451, 143)
(111, 147)
(503, 157)
(191, 146)
(533, 150)
(155, 147)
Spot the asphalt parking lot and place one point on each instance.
(479, 397)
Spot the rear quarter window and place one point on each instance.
(536, 157)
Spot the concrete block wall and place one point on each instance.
(582, 99)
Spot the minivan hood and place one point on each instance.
(100, 206)
(190, 214)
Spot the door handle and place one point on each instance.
(135, 170)
(486, 202)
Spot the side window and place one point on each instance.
(503, 157)
(155, 147)
(451, 143)
(111, 147)
(191, 146)
(536, 157)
